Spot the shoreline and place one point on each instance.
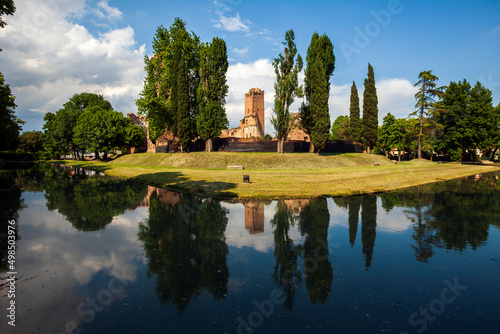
(290, 183)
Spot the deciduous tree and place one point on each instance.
(212, 91)
(162, 75)
(286, 88)
(10, 125)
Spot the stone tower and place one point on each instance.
(254, 105)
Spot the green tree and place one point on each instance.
(370, 111)
(340, 128)
(162, 75)
(100, 130)
(320, 50)
(31, 142)
(425, 97)
(59, 127)
(318, 107)
(467, 118)
(286, 88)
(354, 121)
(10, 125)
(386, 133)
(180, 101)
(7, 7)
(212, 91)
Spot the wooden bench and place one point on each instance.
(235, 167)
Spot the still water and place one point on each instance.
(101, 255)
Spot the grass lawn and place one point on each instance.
(295, 175)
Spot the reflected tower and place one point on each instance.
(254, 217)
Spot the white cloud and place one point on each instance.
(232, 24)
(242, 52)
(47, 58)
(395, 96)
(110, 12)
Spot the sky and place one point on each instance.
(53, 49)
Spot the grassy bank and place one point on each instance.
(279, 176)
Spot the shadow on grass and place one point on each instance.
(177, 181)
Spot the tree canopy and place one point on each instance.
(425, 101)
(320, 66)
(286, 88)
(10, 125)
(212, 91)
(370, 111)
(354, 120)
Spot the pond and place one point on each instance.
(102, 255)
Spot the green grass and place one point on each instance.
(279, 176)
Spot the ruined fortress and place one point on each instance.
(252, 124)
(251, 128)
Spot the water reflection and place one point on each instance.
(88, 200)
(196, 257)
(452, 215)
(185, 244)
(314, 220)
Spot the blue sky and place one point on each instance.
(56, 48)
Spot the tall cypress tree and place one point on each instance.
(320, 131)
(370, 111)
(354, 121)
(320, 50)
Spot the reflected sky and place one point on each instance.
(168, 262)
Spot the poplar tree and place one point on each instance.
(212, 91)
(162, 75)
(180, 101)
(286, 88)
(320, 50)
(354, 121)
(370, 111)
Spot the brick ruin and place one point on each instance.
(252, 124)
(251, 128)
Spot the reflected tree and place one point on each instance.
(354, 206)
(186, 247)
(286, 274)
(314, 221)
(453, 215)
(89, 203)
(368, 227)
(10, 204)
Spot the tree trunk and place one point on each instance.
(311, 147)
(399, 154)
(281, 145)
(209, 145)
(420, 134)
(368, 149)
